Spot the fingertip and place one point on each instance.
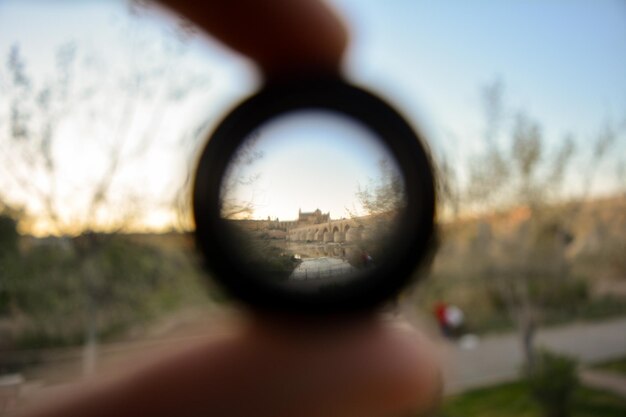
(317, 44)
(413, 370)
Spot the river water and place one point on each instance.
(325, 267)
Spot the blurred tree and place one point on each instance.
(526, 265)
(384, 195)
(121, 112)
(448, 188)
(553, 383)
(8, 258)
(381, 200)
(240, 175)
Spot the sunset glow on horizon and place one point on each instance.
(145, 93)
(306, 160)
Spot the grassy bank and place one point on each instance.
(617, 366)
(513, 400)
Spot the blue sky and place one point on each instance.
(562, 62)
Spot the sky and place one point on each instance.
(562, 62)
(305, 161)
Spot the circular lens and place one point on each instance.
(313, 197)
(313, 200)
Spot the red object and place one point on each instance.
(440, 312)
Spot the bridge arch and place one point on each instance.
(353, 234)
(338, 235)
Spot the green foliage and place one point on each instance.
(45, 288)
(8, 235)
(556, 297)
(552, 382)
(505, 400)
(566, 294)
(513, 400)
(259, 252)
(126, 282)
(9, 259)
(616, 366)
(266, 257)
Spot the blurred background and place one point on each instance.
(105, 104)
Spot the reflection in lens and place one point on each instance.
(312, 200)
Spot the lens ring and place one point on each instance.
(334, 95)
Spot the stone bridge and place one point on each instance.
(345, 230)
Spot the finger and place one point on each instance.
(282, 36)
(364, 367)
(351, 368)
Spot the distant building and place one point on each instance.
(304, 219)
(314, 217)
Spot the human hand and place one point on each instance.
(365, 366)
(274, 367)
(283, 37)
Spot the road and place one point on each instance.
(499, 358)
(495, 359)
